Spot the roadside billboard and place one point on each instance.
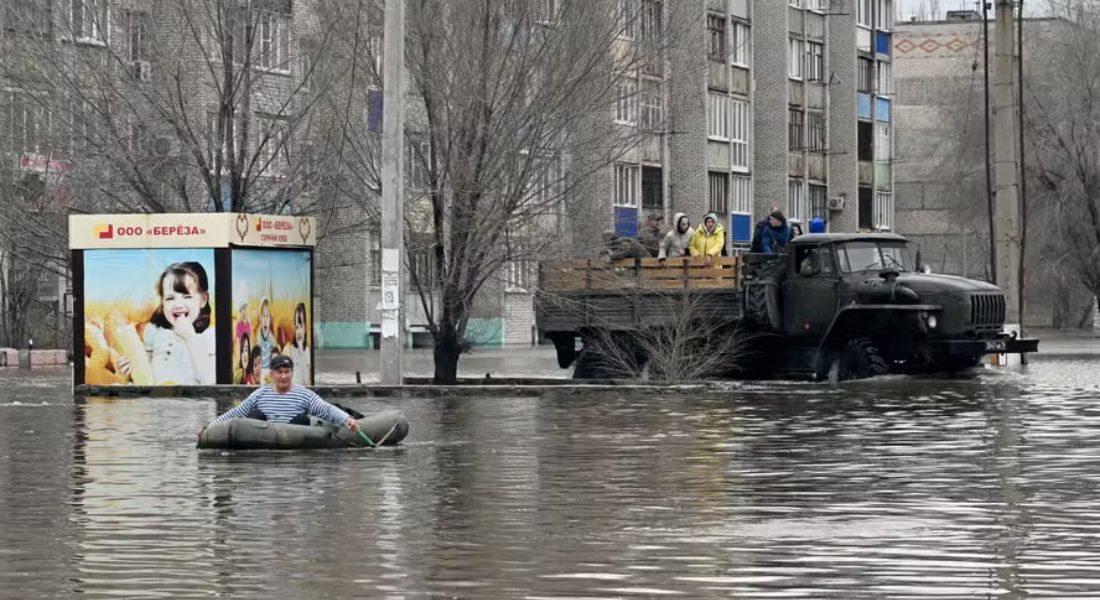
(149, 317)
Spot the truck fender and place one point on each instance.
(848, 318)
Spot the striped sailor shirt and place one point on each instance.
(281, 408)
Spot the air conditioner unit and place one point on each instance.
(141, 70)
(836, 203)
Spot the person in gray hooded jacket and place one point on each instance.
(677, 241)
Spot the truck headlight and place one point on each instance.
(932, 322)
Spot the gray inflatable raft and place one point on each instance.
(385, 428)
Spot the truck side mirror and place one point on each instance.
(924, 268)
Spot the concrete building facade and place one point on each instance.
(772, 104)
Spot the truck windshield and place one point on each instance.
(873, 256)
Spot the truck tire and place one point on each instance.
(762, 296)
(859, 359)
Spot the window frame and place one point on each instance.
(627, 183)
(717, 38)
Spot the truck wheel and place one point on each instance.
(564, 347)
(762, 296)
(860, 359)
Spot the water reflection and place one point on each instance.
(971, 487)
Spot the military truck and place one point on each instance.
(836, 306)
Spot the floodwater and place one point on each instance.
(976, 487)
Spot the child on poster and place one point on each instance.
(265, 340)
(178, 339)
(299, 347)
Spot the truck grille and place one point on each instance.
(987, 309)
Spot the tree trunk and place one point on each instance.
(446, 353)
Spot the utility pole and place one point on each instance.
(1007, 231)
(393, 196)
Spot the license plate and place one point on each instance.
(996, 346)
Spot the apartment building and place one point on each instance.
(770, 103)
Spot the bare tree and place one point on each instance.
(1063, 113)
(513, 108)
(691, 343)
(183, 105)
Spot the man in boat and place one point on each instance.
(283, 401)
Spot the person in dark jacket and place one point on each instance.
(618, 247)
(776, 235)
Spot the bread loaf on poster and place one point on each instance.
(123, 337)
(94, 339)
(101, 376)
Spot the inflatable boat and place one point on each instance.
(383, 429)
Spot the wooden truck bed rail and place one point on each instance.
(640, 273)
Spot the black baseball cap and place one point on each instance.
(281, 360)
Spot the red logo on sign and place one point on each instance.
(105, 232)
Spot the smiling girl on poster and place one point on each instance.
(178, 339)
(299, 347)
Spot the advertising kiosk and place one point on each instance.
(190, 299)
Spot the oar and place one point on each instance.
(366, 439)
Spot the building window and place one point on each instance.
(815, 131)
(627, 18)
(716, 38)
(80, 130)
(817, 4)
(741, 51)
(795, 125)
(885, 79)
(271, 144)
(741, 194)
(626, 103)
(718, 192)
(27, 124)
(798, 206)
(795, 58)
(652, 188)
(274, 39)
(626, 185)
(135, 37)
(652, 115)
(884, 211)
(865, 75)
(718, 117)
(651, 23)
(547, 11)
(863, 12)
(421, 248)
(740, 122)
(87, 19)
(885, 14)
(865, 141)
(417, 155)
(815, 61)
(882, 141)
(819, 203)
(518, 274)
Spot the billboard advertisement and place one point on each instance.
(149, 317)
(272, 313)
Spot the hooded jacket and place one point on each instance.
(676, 244)
(709, 243)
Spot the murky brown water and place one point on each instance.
(895, 488)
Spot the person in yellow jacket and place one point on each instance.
(710, 239)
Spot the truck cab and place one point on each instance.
(862, 301)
